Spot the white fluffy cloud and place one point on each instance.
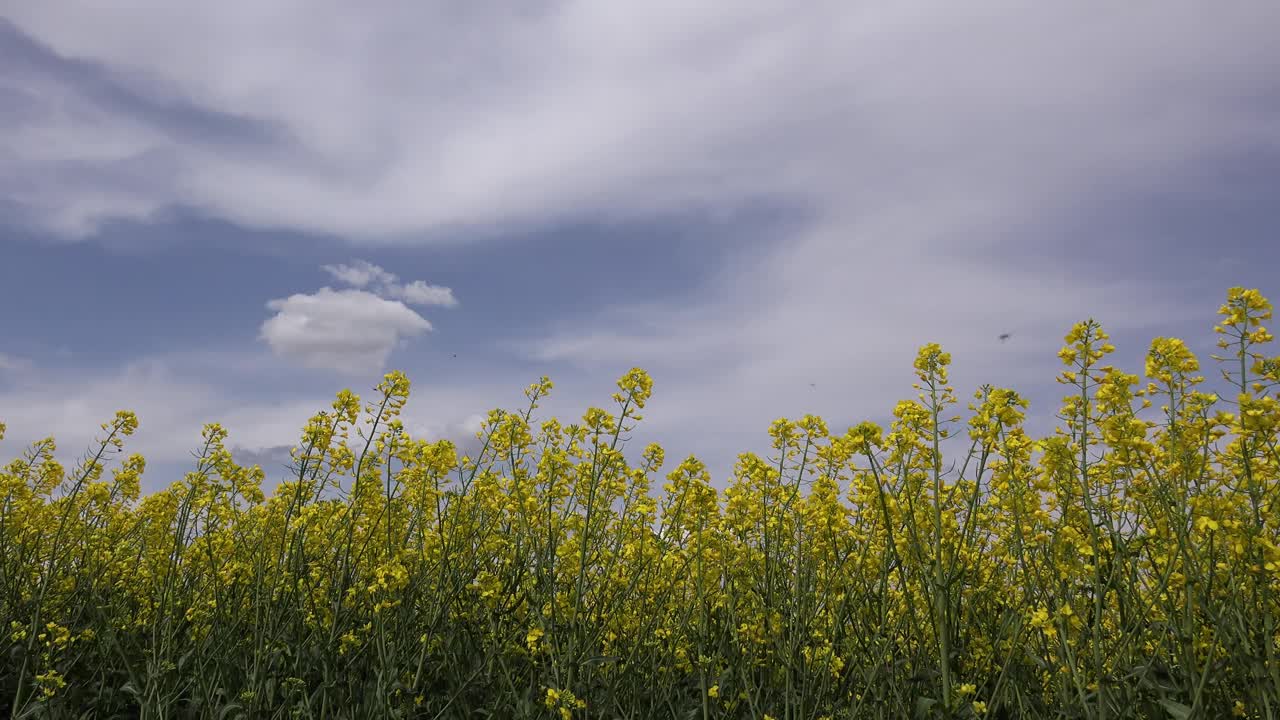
(349, 331)
(352, 330)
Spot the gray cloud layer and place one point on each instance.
(426, 116)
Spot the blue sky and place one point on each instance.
(769, 210)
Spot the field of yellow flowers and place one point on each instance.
(1127, 566)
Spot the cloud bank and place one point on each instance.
(424, 117)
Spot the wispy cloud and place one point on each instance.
(362, 273)
(12, 362)
(175, 395)
(172, 407)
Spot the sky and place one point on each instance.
(227, 212)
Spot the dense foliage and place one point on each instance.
(1125, 566)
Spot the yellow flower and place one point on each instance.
(532, 638)
(50, 682)
(979, 707)
(347, 642)
(713, 691)
(1206, 523)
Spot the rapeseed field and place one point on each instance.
(1126, 566)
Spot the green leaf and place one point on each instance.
(34, 710)
(1176, 710)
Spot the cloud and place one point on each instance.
(484, 116)
(362, 273)
(850, 322)
(350, 331)
(172, 405)
(13, 363)
(174, 396)
(460, 431)
(420, 293)
(275, 461)
(92, 142)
